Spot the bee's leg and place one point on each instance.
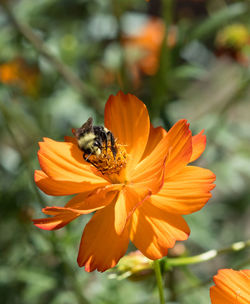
(89, 161)
(102, 135)
(112, 141)
(87, 158)
(105, 138)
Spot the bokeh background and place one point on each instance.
(59, 62)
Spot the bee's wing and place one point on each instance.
(87, 127)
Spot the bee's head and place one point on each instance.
(87, 127)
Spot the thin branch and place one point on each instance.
(70, 77)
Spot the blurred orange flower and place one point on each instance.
(231, 287)
(18, 72)
(147, 45)
(141, 194)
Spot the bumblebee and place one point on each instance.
(93, 139)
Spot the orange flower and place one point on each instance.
(140, 195)
(147, 44)
(231, 287)
(18, 72)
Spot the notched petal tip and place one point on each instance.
(180, 147)
(60, 217)
(101, 247)
(47, 225)
(198, 145)
(153, 230)
(186, 192)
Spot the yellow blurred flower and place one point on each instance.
(234, 41)
(134, 266)
(234, 36)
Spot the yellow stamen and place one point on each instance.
(106, 163)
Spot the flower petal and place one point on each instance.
(186, 192)
(128, 200)
(231, 287)
(85, 203)
(153, 230)
(61, 217)
(63, 161)
(71, 139)
(149, 173)
(60, 188)
(198, 145)
(101, 247)
(82, 203)
(180, 147)
(127, 117)
(155, 136)
(221, 298)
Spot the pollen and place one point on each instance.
(107, 163)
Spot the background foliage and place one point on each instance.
(59, 62)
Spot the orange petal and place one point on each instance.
(61, 218)
(219, 297)
(101, 247)
(186, 192)
(63, 161)
(71, 139)
(149, 173)
(57, 188)
(128, 200)
(231, 287)
(198, 145)
(153, 230)
(85, 203)
(127, 117)
(155, 136)
(180, 147)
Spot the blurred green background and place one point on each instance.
(59, 62)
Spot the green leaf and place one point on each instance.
(217, 20)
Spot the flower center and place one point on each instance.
(108, 163)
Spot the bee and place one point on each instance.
(93, 139)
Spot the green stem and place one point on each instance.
(158, 276)
(206, 256)
(162, 81)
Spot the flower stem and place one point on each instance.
(206, 256)
(158, 276)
